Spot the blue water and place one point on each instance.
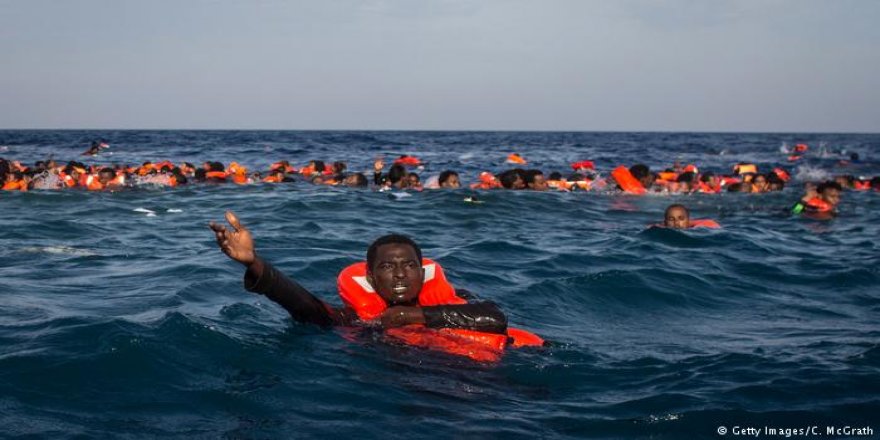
(115, 323)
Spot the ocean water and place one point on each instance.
(120, 318)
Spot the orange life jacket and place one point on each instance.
(818, 205)
(862, 185)
(68, 180)
(92, 183)
(515, 158)
(745, 168)
(562, 185)
(704, 223)
(272, 179)
(585, 164)
(782, 174)
(627, 181)
(487, 181)
(801, 148)
(219, 175)
(669, 176)
(357, 293)
(408, 160)
(15, 185)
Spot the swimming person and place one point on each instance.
(819, 201)
(395, 289)
(678, 217)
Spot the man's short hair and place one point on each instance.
(390, 239)
(444, 176)
(828, 185)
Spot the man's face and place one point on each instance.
(759, 184)
(451, 182)
(677, 218)
(539, 184)
(519, 183)
(105, 177)
(396, 274)
(831, 195)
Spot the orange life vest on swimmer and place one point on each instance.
(487, 181)
(408, 160)
(561, 185)
(745, 168)
(801, 148)
(357, 293)
(15, 185)
(585, 164)
(516, 159)
(218, 175)
(782, 174)
(862, 185)
(818, 205)
(627, 181)
(704, 223)
(92, 183)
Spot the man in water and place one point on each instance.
(819, 202)
(394, 271)
(677, 217)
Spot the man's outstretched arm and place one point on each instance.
(260, 277)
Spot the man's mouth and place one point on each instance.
(400, 288)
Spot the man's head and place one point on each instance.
(394, 269)
(759, 183)
(396, 175)
(449, 179)
(512, 179)
(106, 175)
(677, 217)
(535, 180)
(830, 192)
(643, 174)
(356, 180)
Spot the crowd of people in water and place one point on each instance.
(819, 197)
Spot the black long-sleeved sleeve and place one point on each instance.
(483, 317)
(302, 305)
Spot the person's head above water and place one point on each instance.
(830, 192)
(449, 179)
(394, 269)
(677, 217)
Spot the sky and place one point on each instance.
(571, 65)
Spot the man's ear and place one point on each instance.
(370, 280)
(422, 268)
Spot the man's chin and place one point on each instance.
(401, 300)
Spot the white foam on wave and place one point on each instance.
(808, 173)
(173, 210)
(58, 250)
(149, 212)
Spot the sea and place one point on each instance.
(120, 318)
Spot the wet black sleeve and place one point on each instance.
(378, 179)
(483, 317)
(299, 302)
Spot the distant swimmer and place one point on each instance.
(449, 179)
(678, 217)
(96, 148)
(395, 289)
(516, 159)
(819, 202)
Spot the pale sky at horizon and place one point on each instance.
(628, 65)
